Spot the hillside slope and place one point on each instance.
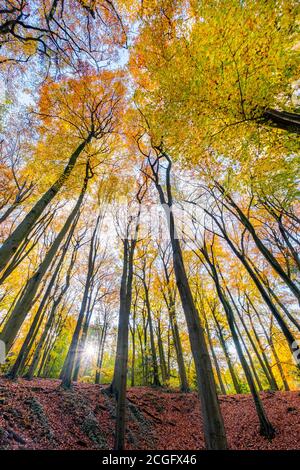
(40, 415)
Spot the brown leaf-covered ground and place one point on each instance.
(40, 415)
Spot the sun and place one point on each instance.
(90, 350)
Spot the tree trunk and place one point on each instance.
(132, 379)
(118, 386)
(23, 229)
(260, 245)
(38, 318)
(68, 367)
(156, 381)
(284, 327)
(119, 383)
(283, 120)
(101, 353)
(222, 340)
(213, 425)
(170, 303)
(37, 353)
(25, 302)
(251, 363)
(218, 370)
(270, 378)
(266, 428)
(162, 359)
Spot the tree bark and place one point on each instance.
(218, 370)
(266, 428)
(25, 302)
(289, 122)
(260, 245)
(156, 381)
(13, 241)
(38, 318)
(213, 425)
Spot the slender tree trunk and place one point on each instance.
(266, 428)
(162, 359)
(38, 318)
(142, 354)
(37, 353)
(118, 386)
(261, 246)
(132, 379)
(222, 340)
(25, 302)
(67, 371)
(278, 363)
(284, 327)
(81, 346)
(272, 380)
(251, 363)
(46, 352)
(122, 339)
(101, 353)
(184, 385)
(213, 425)
(68, 367)
(156, 381)
(170, 303)
(272, 383)
(13, 241)
(218, 370)
(119, 383)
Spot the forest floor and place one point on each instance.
(40, 415)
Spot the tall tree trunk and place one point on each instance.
(38, 351)
(38, 318)
(170, 304)
(119, 383)
(67, 370)
(140, 338)
(118, 386)
(68, 367)
(23, 229)
(218, 370)
(260, 245)
(132, 378)
(213, 425)
(234, 378)
(272, 380)
(184, 385)
(25, 302)
(162, 359)
(156, 381)
(269, 338)
(101, 352)
(266, 428)
(252, 367)
(82, 343)
(284, 327)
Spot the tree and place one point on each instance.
(118, 385)
(214, 431)
(25, 302)
(86, 107)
